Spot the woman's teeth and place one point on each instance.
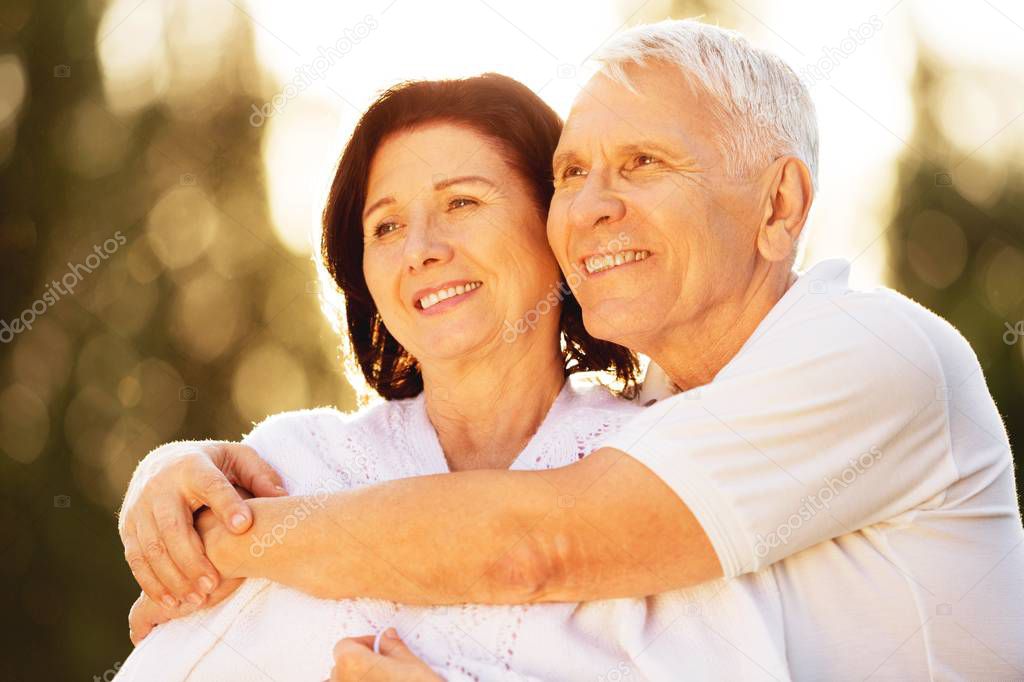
(444, 294)
(608, 261)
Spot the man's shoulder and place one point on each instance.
(823, 316)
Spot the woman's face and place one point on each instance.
(455, 253)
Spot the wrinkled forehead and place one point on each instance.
(662, 106)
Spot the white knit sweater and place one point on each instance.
(267, 631)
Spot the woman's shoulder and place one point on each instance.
(589, 394)
(594, 411)
(325, 444)
(299, 423)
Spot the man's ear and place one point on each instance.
(787, 204)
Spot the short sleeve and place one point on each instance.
(829, 421)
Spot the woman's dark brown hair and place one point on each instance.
(527, 130)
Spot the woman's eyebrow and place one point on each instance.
(439, 185)
(448, 182)
(383, 201)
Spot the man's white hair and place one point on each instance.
(764, 109)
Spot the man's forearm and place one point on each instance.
(607, 529)
(427, 540)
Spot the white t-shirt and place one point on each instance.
(852, 449)
(727, 629)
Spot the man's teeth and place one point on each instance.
(445, 294)
(608, 261)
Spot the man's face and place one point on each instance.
(643, 170)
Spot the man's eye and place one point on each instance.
(573, 172)
(385, 228)
(641, 160)
(461, 202)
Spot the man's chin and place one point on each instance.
(619, 320)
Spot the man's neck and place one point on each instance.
(693, 354)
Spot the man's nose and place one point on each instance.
(595, 203)
(425, 245)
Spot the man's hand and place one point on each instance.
(354, 659)
(162, 548)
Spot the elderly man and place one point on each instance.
(843, 440)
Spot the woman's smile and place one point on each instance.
(438, 299)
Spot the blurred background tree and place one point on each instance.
(136, 167)
(957, 236)
(193, 322)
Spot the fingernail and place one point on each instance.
(280, 489)
(238, 520)
(206, 584)
(391, 633)
(195, 599)
(169, 601)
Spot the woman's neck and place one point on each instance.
(486, 410)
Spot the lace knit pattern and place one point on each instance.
(269, 631)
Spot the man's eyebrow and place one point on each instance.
(650, 146)
(439, 185)
(564, 159)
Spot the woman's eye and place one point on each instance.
(385, 228)
(461, 202)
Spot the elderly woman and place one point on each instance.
(459, 317)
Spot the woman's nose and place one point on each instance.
(424, 245)
(595, 204)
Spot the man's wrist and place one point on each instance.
(243, 555)
(224, 549)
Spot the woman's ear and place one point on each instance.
(786, 207)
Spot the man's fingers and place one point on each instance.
(251, 471)
(210, 486)
(143, 573)
(174, 523)
(155, 550)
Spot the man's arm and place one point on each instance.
(603, 527)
